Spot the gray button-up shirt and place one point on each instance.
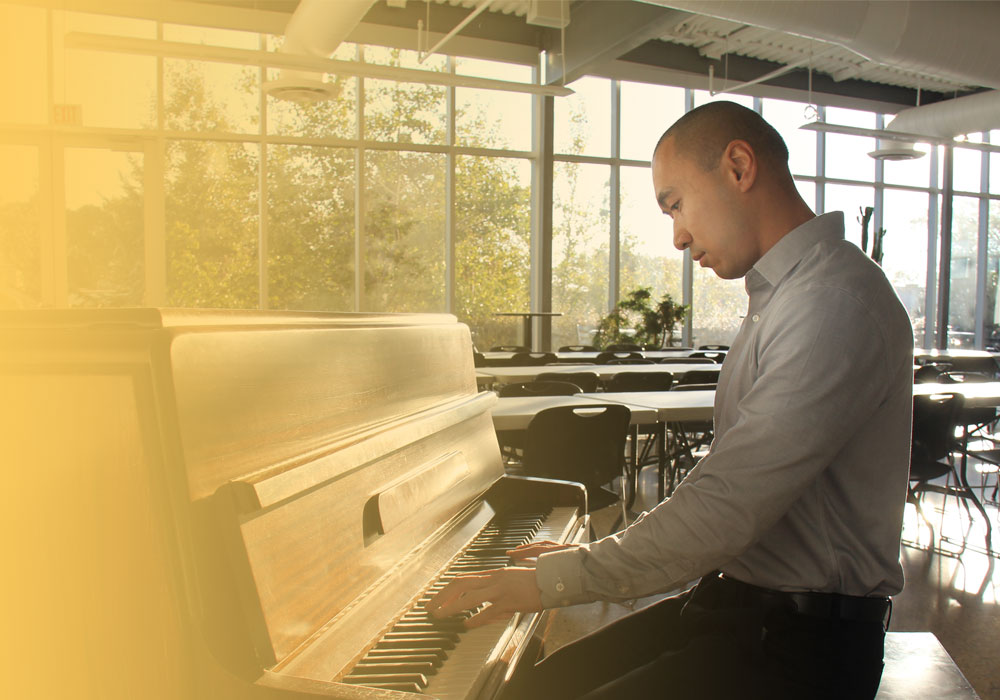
(804, 485)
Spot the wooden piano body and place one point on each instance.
(238, 504)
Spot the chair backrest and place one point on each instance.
(693, 387)
(934, 420)
(529, 359)
(587, 381)
(623, 347)
(640, 381)
(959, 377)
(683, 361)
(713, 347)
(709, 355)
(540, 388)
(631, 361)
(510, 348)
(928, 374)
(699, 376)
(980, 415)
(608, 355)
(578, 348)
(478, 359)
(577, 443)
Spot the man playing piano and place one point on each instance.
(793, 518)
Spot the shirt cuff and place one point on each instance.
(559, 576)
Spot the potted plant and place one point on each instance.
(636, 319)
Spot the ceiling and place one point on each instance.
(664, 41)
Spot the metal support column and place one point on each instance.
(944, 267)
(543, 121)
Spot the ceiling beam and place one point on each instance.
(601, 31)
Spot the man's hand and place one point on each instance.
(534, 550)
(507, 591)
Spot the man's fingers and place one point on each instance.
(491, 613)
(463, 593)
(535, 549)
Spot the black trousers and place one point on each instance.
(705, 644)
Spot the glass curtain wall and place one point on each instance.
(181, 183)
(338, 205)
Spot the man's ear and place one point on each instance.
(740, 163)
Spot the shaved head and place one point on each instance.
(703, 134)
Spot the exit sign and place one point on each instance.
(68, 115)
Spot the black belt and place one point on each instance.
(810, 603)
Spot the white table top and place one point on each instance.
(511, 375)
(670, 405)
(515, 412)
(977, 394)
(590, 356)
(950, 352)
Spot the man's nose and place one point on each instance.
(682, 239)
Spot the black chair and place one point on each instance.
(708, 355)
(639, 381)
(512, 441)
(531, 359)
(510, 348)
(632, 361)
(935, 419)
(578, 348)
(478, 359)
(579, 443)
(605, 357)
(587, 381)
(713, 347)
(699, 376)
(540, 388)
(694, 387)
(683, 361)
(977, 424)
(623, 347)
(928, 374)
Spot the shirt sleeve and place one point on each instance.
(822, 369)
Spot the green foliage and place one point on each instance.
(637, 320)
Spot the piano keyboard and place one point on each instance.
(421, 654)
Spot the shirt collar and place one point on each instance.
(793, 246)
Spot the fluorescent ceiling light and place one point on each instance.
(888, 135)
(219, 54)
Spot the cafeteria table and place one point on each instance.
(589, 356)
(671, 407)
(512, 375)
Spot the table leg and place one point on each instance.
(526, 332)
(964, 479)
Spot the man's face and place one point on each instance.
(706, 209)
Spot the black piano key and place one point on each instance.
(419, 640)
(404, 687)
(378, 678)
(401, 667)
(415, 643)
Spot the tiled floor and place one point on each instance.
(951, 589)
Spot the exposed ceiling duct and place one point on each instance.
(964, 115)
(954, 39)
(316, 29)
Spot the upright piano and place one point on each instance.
(211, 504)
